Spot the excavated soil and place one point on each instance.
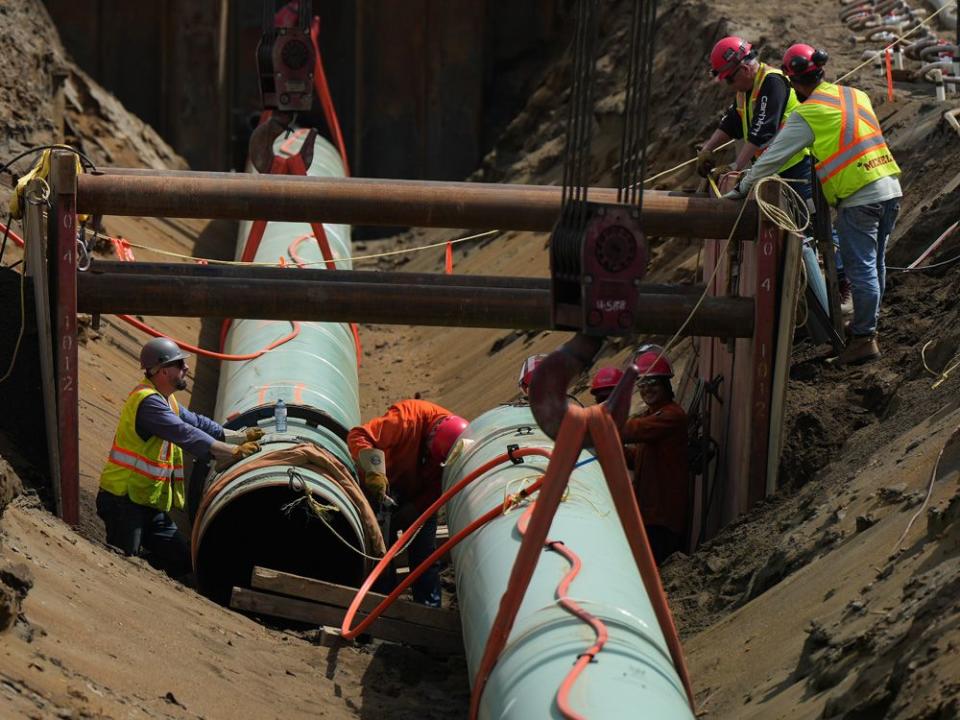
(811, 605)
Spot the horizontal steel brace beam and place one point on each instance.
(292, 298)
(364, 201)
(253, 272)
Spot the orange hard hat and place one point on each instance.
(605, 379)
(652, 363)
(443, 436)
(727, 55)
(802, 59)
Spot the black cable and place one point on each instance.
(40, 148)
(6, 234)
(954, 259)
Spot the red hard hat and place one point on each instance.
(443, 436)
(605, 379)
(802, 59)
(526, 370)
(727, 55)
(651, 364)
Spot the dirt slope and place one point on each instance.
(796, 611)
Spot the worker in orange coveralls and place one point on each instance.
(656, 448)
(400, 456)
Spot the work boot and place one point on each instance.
(860, 349)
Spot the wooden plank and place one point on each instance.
(318, 614)
(36, 267)
(792, 261)
(341, 596)
(62, 240)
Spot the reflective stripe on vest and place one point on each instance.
(744, 110)
(158, 472)
(848, 141)
(149, 472)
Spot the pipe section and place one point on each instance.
(247, 521)
(633, 673)
(364, 201)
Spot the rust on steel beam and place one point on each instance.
(362, 276)
(364, 201)
(291, 298)
(62, 239)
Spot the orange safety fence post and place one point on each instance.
(888, 54)
(448, 259)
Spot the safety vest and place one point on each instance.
(149, 472)
(745, 111)
(848, 143)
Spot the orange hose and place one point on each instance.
(572, 607)
(210, 353)
(17, 240)
(350, 633)
(292, 251)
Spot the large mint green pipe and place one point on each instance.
(318, 369)
(250, 520)
(633, 676)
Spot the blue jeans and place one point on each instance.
(131, 528)
(426, 588)
(864, 231)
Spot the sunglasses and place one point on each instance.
(729, 78)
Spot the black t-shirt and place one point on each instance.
(766, 115)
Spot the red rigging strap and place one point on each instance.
(323, 92)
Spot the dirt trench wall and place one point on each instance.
(45, 98)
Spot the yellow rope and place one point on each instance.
(942, 376)
(352, 258)
(899, 39)
(779, 218)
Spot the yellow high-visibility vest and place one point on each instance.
(149, 472)
(746, 111)
(848, 143)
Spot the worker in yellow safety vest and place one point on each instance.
(858, 175)
(764, 101)
(143, 476)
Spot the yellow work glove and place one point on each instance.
(375, 487)
(226, 455)
(236, 437)
(246, 449)
(706, 161)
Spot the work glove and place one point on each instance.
(706, 161)
(226, 455)
(375, 487)
(236, 437)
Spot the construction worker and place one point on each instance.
(764, 100)
(400, 456)
(526, 372)
(143, 476)
(656, 449)
(603, 383)
(858, 175)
